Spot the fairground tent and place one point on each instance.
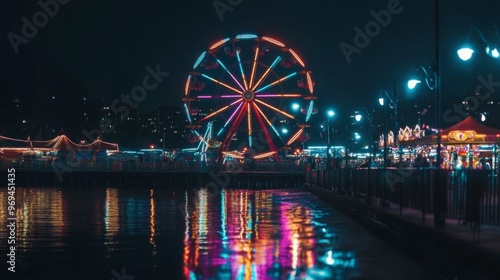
(60, 147)
(468, 143)
(468, 131)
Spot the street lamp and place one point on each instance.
(330, 113)
(369, 116)
(385, 101)
(465, 53)
(431, 80)
(433, 83)
(412, 84)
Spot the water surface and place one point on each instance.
(112, 233)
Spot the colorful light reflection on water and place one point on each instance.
(244, 234)
(172, 234)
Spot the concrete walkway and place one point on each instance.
(455, 247)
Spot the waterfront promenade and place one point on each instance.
(403, 213)
(400, 212)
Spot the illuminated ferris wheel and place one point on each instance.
(244, 87)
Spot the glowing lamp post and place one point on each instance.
(330, 113)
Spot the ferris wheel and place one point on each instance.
(244, 87)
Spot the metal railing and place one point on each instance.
(471, 195)
(159, 166)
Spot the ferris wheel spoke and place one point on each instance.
(230, 119)
(276, 82)
(249, 120)
(241, 69)
(267, 95)
(264, 76)
(267, 120)
(233, 128)
(264, 128)
(254, 67)
(275, 109)
(221, 110)
(222, 84)
(295, 136)
(218, 97)
(230, 74)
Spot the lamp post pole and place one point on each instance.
(439, 220)
(386, 134)
(396, 124)
(328, 158)
(329, 114)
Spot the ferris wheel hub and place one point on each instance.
(248, 95)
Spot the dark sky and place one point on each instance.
(101, 48)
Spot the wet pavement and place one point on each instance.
(114, 233)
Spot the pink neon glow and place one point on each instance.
(236, 102)
(278, 95)
(234, 113)
(230, 96)
(204, 96)
(236, 81)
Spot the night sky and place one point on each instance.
(101, 48)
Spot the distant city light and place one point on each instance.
(284, 131)
(331, 113)
(381, 101)
(295, 106)
(358, 117)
